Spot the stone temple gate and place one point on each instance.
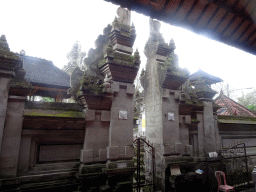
(106, 92)
(180, 120)
(181, 123)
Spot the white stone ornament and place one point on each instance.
(122, 114)
(170, 116)
(124, 16)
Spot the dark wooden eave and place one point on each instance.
(231, 22)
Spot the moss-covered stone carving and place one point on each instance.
(92, 85)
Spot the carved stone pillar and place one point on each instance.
(161, 82)
(106, 91)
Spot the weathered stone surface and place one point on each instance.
(121, 132)
(105, 116)
(23, 162)
(59, 152)
(115, 86)
(177, 95)
(129, 151)
(166, 93)
(113, 152)
(178, 148)
(123, 48)
(90, 115)
(103, 155)
(184, 136)
(170, 128)
(200, 128)
(12, 136)
(209, 128)
(96, 135)
(189, 149)
(168, 149)
(130, 89)
(4, 88)
(86, 156)
(114, 164)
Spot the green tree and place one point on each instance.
(47, 99)
(225, 88)
(248, 100)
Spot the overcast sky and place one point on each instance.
(48, 29)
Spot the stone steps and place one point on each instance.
(42, 186)
(49, 176)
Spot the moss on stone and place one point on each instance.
(101, 63)
(194, 120)
(234, 117)
(20, 83)
(124, 58)
(9, 55)
(30, 105)
(92, 85)
(72, 114)
(125, 27)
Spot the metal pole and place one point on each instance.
(246, 163)
(138, 165)
(153, 162)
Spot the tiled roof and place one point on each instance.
(230, 107)
(41, 71)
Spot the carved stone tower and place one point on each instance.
(161, 82)
(106, 91)
(75, 57)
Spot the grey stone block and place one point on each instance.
(90, 115)
(161, 58)
(113, 153)
(178, 148)
(105, 115)
(103, 155)
(123, 85)
(123, 48)
(86, 156)
(129, 151)
(115, 86)
(168, 149)
(176, 95)
(166, 93)
(187, 119)
(130, 89)
(189, 149)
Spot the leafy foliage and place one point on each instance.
(226, 88)
(248, 100)
(47, 99)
